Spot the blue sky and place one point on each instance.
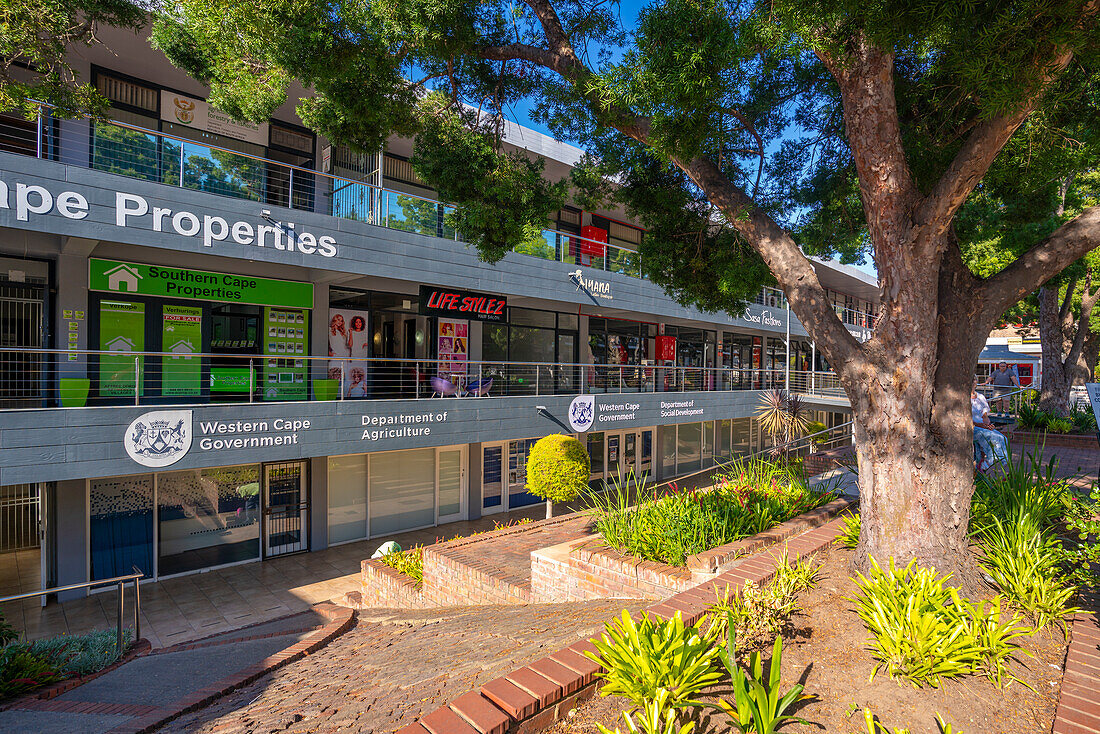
(628, 12)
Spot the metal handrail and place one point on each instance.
(120, 580)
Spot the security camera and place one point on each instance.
(576, 273)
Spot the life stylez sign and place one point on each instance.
(133, 211)
(453, 303)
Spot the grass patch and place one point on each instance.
(751, 496)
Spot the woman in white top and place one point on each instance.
(990, 445)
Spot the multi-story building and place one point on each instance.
(226, 341)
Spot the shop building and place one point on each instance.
(224, 342)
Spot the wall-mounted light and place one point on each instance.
(419, 336)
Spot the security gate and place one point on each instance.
(20, 517)
(22, 374)
(286, 508)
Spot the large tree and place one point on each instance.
(37, 41)
(742, 133)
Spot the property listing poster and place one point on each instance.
(181, 335)
(286, 339)
(452, 347)
(121, 331)
(348, 349)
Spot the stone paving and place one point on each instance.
(1081, 466)
(198, 605)
(393, 667)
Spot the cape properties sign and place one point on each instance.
(114, 276)
(132, 211)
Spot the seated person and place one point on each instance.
(990, 445)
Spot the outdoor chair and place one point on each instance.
(479, 388)
(443, 387)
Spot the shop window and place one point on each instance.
(285, 137)
(667, 443)
(595, 456)
(207, 518)
(347, 498)
(120, 526)
(689, 444)
(402, 491)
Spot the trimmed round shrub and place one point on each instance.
(558, 468)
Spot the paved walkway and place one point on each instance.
(195, 606)
(394, 667)
(1080, 465)
(153, 682)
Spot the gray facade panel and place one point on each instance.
(77, 443)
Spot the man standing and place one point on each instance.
(1004, 380)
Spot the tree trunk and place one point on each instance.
(1054, 390)
(914, 442)
(549, 509)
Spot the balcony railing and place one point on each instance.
(35, 378)
(150, 155)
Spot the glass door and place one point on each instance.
(614, 454)
(450, 484)
(630, 452)
(286, 509)
(492, 478)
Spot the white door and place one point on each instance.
(450, 503)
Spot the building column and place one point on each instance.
(318, 503)
(71, 536)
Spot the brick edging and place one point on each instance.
(1078, 711)
(134, 650)
(340, 621)
(536, 695)
(1048, 439)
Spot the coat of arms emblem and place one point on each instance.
(582, 412)
(160, 438)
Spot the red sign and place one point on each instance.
(594, 242)
(460, 304)
(666, 348)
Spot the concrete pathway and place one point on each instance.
(155, 681)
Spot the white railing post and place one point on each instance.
(137, 380)
(182, 146)
(290, 190)
(39, 133)
(251, 380)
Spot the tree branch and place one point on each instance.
(1042, 262)
(1067, 302)
(780, 252)
(987, 139)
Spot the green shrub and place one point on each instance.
(924, 631)
(21, 671)
(758, 706)
(409, 562)
(849, 534)
(757, 613)
(1030, 418)
(558, 469)
(1084, 421)
(1027, 486)
(813, 427)
(752, 496)
(73, 655)
(641, 658)
(1023, 562)
(1059, 425)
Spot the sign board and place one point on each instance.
(459, 304)
(157, 280)
(183, 110)
(1093, 389)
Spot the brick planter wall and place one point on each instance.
(820, 462)
(1045, 438)
(385, 587)
(447, 581)
(589, 569)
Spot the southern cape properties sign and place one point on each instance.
(114, 276)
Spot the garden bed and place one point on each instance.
(825, 650)
(588, 569)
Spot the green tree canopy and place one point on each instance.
(37, 42)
